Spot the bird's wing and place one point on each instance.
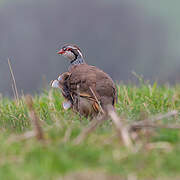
(85, 78)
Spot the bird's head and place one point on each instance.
(72, 52)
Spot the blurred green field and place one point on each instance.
(101, 155)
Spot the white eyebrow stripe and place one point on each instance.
(80, 52)
(71, 47)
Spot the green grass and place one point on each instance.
(157, 155)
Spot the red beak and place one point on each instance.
(61, 51)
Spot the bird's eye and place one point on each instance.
(68, 49)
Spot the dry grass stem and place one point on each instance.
(53, 109)
(34, 118)
(97, 100)
(126, 94)
(78, 96)
(15, 91)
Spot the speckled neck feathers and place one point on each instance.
(77, 61)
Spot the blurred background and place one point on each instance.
(118, 36)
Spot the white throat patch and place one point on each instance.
(69, 55)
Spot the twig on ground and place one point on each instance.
(150, 123)
(67, 135)
(26, 135)
(121, 128)
(160, 145)
(91, 127)
(162, 116)
(153, 125)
